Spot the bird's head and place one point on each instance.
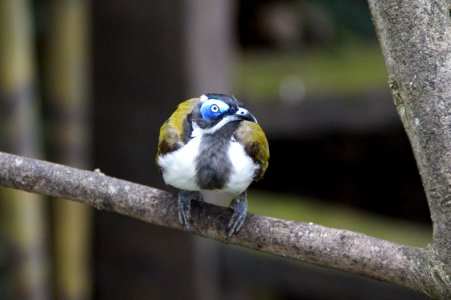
(216, 110)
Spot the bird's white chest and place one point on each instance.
(179, 167)
(243, 169)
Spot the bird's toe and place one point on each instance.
(236, 222)
(184, 209)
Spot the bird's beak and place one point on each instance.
(244, 114)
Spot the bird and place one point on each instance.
(212, 143)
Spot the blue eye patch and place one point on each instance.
(213, 108)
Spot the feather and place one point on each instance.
(253, 139)
(176, 131)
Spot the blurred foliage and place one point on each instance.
(296, 49)
(352, 17)
(346, 71)
(338, 216)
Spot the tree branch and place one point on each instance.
(415, 38)
(335, 248)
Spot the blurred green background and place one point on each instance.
(88, 83)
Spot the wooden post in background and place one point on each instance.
(66, 94)
(148, 57)
(22, 215)
(209, 61)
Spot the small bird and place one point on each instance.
(212, 143)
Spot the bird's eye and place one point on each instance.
(214, 108)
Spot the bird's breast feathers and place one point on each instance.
(243, 170)
(181, 167)
(212, 144)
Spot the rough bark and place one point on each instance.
(339, 249)
(415, 37)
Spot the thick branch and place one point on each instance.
(339, 249)
(416, 41)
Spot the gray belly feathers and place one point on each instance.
(213, 164)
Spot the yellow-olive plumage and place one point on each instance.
(251, 135)
(171, 132)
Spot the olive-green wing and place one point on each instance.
(176, 131)
(252, 137)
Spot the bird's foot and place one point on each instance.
(239, 206)
(184, 206)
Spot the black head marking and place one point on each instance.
(203, 122)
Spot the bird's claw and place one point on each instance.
(184, 209)
(236, 222)
(184, 206)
